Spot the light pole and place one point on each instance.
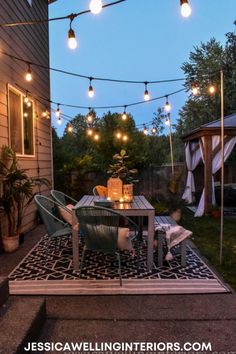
(168, 123)
(222, 164)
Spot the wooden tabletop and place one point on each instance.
(139, 203)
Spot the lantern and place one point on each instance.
(128, 192)
(114, 189)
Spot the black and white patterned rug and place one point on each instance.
(57, 269)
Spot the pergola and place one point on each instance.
(204, 144)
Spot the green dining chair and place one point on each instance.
(49, 212)
(100, 227)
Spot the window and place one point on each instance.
(21, 122)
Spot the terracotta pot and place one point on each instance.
(10, 243)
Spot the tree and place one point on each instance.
(203, 68)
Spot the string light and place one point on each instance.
(195, 90)
(146, 93)
(167, 122)
(26, 98)
(72, 42)
(95, 6)
(90, 90)
(90, 131)
(25, 114)
(28, 75)
(58, 112)
(125, 138)
(89, 117)
(46, 114)
(145, 130)
(167, 106)
(118, 135)
(96, 137)
(212, 89)
(154, 130)
(124, 115)
(70, 128)
(29, 104)
(185, 8)
(59, 121)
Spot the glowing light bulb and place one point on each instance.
(167, 107)
(212, 89)
(95, 6)
(28, 76)
(125, 138)
(118, 135)
(29, 104)
(70, 128)
(58, 112)
(89, 118)
(154, 130)
(91, 91)
(185, 8)
(167, 122)
(25, 114)
(72, 42)
(26, 99)
(59, 121)
(44, 114)
(145, 130)
(195, 90)
(124, 116)
(96, 137)
(146, 95)
(90, 132)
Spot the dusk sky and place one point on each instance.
(142, 40)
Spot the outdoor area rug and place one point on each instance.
(54, 274)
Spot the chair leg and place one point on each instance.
(119, 265)
(82, 261)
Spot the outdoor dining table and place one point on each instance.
(138, 207)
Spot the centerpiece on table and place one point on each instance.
(120, 184)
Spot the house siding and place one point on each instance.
(30, 43)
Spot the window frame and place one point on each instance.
(22, 95)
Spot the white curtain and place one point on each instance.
(192, 160)
(200, 208)
(216, 165)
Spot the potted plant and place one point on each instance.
(16, 194)
(121, 169)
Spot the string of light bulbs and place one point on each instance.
(95, 7)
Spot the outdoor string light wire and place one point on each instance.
(89, 77)
(67, 17)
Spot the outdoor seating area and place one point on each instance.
(103, 251)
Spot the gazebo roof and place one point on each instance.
(213, 128)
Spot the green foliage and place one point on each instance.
(206, 234)
(203, 68)
(17, 189)
(121, 168)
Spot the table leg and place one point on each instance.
(151, 217)
(161, 237)
(183, 253)
(140, 228)
(75, 242)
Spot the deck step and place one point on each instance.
(4, 290)
(21, 320)
(112, 287)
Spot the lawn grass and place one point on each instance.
(206, 236)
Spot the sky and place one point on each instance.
(144, 40)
